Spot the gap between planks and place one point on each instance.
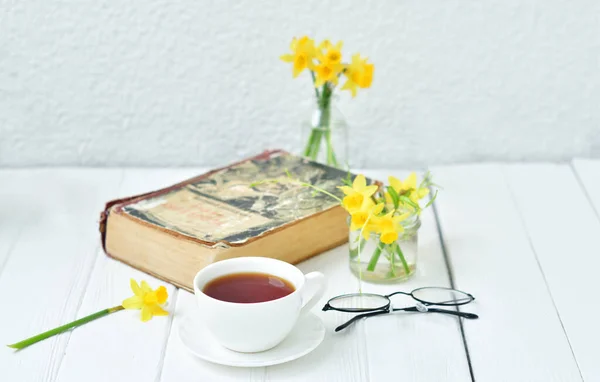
(452, 285)
(541, 269)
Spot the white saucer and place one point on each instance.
(304, 338)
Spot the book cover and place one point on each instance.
(222, 207)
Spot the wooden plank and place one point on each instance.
(564, 229)
(45, 276)
(588, 173)
(364, 352)
(13, 217)
(134, 350)
(519, 335)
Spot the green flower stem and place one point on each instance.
(393, 264)
(401, 255)
(361, 246)
(310, 144)
(320, 190)
(313, 146)
(374, 258)
(61, 329)
(314, 80)
(331, 159)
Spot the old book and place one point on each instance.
(174, 232)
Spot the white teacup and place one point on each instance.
(255, 327)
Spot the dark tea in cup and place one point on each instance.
(248, 287)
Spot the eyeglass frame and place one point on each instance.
(365, 313)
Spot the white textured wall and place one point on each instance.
(172, 82)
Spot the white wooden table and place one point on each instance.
(523, 238)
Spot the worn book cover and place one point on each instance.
(224, 211)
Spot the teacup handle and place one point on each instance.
(314, 288)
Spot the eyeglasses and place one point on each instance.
(370, 304)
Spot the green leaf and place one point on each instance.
(394, 195)
(432, 199)
(348, 180)
(407, 200)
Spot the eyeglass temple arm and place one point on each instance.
(437, 310)
(358, 317)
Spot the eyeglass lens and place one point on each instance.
(359, 302)
(441, 296)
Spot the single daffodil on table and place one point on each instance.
(146, 299)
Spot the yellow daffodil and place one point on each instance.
(364, 218)
(330, 66)
(407, 187)
(389, 226)
(330, 53)
(359, 74)
(302, 56)
(418, 194)
(327, 72)
(356, 195)
(402, 187)
(146, 299)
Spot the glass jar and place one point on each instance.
(372, 260)
(325, 136)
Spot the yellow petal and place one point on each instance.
(353, 202)
(347, 190)
(135, 302)
(162, 294)
(146, 313)
(351, 86)
(388, 198)
(359, 218)
(395, 183)
(135, 287)
(388, 237)
(402, 217)
(145, 287)
(354, 227)
(287, 57)
(150, 298)
(158, 311)
(377, 209)
(369, 190)
(359, 183)
(411, 181)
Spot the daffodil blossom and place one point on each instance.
(147, 300)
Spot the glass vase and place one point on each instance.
(373, 261)
(325, 136)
